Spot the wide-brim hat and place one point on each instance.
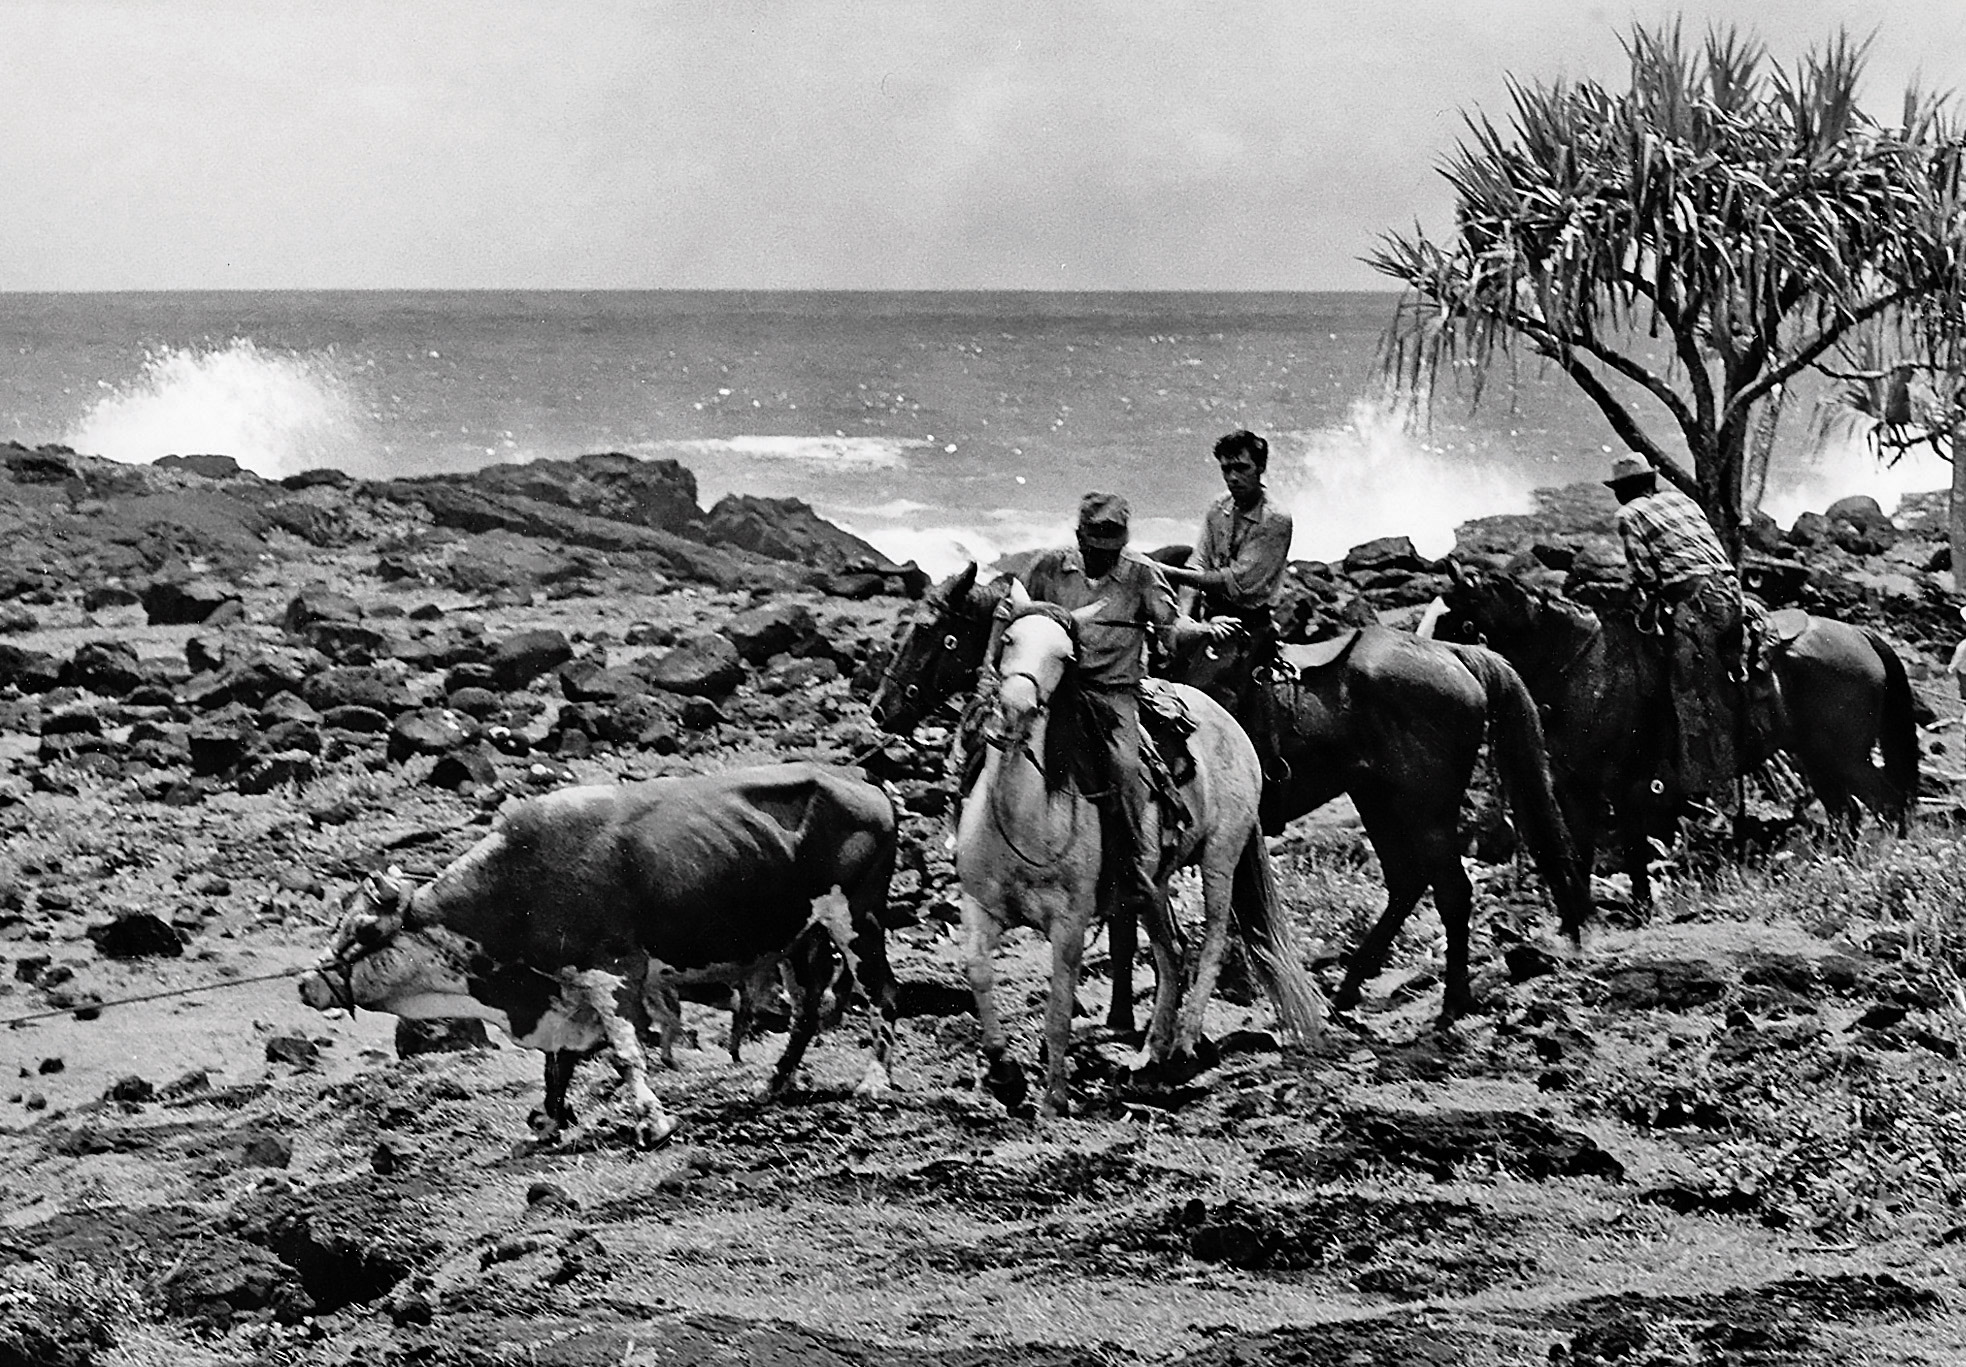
(1103, 521)
(1630, 467)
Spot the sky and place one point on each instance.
(767, 144)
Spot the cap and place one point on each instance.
(1630, 467)
(1103, 521)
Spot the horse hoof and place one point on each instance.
(653, 1134)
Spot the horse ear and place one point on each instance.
(1020, 597)
(1089, 613)
(960, 586)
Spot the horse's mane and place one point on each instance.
(1069, 739)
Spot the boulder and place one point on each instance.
(592, 681)
(355, 686)
(773, 629)
(187, 602)
(208, 465)
(139, 935)
(318, 603)
(110, 668)
(219, 745)
(703, 665)
(354, 717)
(105, 597)
(1383, 554)
(519, 659)
(784, 529)
(469, 766)
(31, 671)
(429, 731)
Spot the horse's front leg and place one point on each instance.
(999, 1074)
(1067, 931)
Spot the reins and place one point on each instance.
(79, 1009)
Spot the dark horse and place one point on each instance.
(1840, 693)
(1395, 721)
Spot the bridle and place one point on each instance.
(338, 969)
(1008, 748)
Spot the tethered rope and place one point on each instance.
(82, 1007)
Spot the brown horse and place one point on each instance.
(1840, 693)
(1396, 722)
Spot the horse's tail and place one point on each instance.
(1520, 753)
(1258, 913)
(1897, 735)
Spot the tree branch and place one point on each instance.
(1805, 355)
(1617, 414)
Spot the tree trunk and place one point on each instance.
(1956, 505)
(1767, 416)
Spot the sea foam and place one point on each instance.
(274, 412)
(1377, 474)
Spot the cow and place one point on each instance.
(571, 923)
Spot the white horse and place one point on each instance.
(1028, 853)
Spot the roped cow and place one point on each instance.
(570, 922)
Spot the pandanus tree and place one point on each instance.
(1686, 248)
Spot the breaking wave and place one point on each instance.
(273, 412)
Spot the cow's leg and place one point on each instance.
(603, 993)
(812, 961)
(554, 1114)
(1067, 951)
(999, 1074)
(665, 1013)
(853, 923)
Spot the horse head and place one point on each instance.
(1488, 608)
(1218, 667)
(939, 654)
(1039, 646)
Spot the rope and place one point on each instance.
(11, 1021)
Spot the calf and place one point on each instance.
(569, 924)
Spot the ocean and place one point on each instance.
(939, 426)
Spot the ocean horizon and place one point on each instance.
(941, 425)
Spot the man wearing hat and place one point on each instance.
(1119, 597)
(1676, 558)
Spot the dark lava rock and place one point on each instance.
(519, 659)
(318, 603)
(139, 935)
(297, 1050)
(704, 665)
(110, 668)
(355, 686)
(219, 746)
(439, 1036)
(14, 617)
(784, 529)
(429, 731)
(352, 643)
(470, 766)
(353, 717)
(797, 675)
(186, 602)
(98, 597)
(350, 1242)
(773, 629)
(474, 702)
(1384, 554)
(267, 1151)
(31, 671)
(216, 1280)
(593, 681)
(132, 1089)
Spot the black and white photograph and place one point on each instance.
(922, 683)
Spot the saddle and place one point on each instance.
(1165, 725)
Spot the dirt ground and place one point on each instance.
(1727, 1135)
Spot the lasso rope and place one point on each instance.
(76, 1010)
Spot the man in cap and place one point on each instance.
(1234, 575)
(1119, 597)
(1676, 558)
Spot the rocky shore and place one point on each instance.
(223, 698)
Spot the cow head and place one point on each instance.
(376, 958)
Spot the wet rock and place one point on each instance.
(703, 665)
(139, 935)
(519, 659)
(186, 602)
(429, 731)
